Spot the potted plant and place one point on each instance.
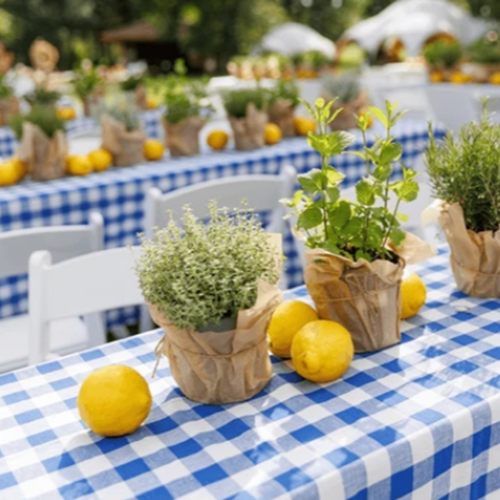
(134, 87)
(88, 87)
(484, 56)
(465, 176)
(185, 104)
(347, 97)
(357, 251)
(442, 57)
(283, 100)
(122, 135)
(9, 104)
(43, 147)
(246, 110)
(41, 96)
(212, 288)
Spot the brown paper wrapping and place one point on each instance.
(9, 108)
(126, 147)
(364, 297)
(248, 132)
(91, 103)
(346, 118)
(183, 137)
(475, 257)
(140, 97)
(45, 156)
(226, 367)
(281, 113)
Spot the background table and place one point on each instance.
(119, 195)
(422, 417)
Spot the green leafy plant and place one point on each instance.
(485, 52)
(45, 117)
(346, 88)
(237, 101)
(42, 97)
(443, 53)
(201, 273)
(285, 89)
(317, 59)
(467, 171)
(6, 90)
(361, 229)
(132, 82)
(185, 99)
(85, 83)
(125, 114)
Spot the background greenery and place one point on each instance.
(217, 29)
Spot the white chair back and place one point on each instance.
(87, 284)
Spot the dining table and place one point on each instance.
(119, 194)
(419, 420)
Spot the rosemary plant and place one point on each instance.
(467, 171)
(201, 273)
(237, 101)
(125, 114)
(45, 117)
(361, 229)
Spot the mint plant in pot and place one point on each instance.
(212, 288)
(357, 251)
(465, 177)
(283, 100)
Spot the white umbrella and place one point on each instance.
(294, 38)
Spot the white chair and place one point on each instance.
(69, 335)
(91, 283)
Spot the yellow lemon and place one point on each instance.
(436, 77)
(78, 165)
(10, 173)
(21, 167)
(114, 400)
(66, 113)
(303, 125)
(287, 320)
(100, 159)
(272, 134)
(495, 78)
(458, 78)
(413, 295)
(322, 351)
(217, 139)
(153, 150)
(151, 103)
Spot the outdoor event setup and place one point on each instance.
(280, 281)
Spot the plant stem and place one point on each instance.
(391, 225)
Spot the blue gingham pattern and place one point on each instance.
(420, 420)
(119, 195)
(151, 124)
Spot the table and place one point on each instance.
(421, 418)
(119, 195)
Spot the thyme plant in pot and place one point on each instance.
(246, 110)
(186, 104)
(42, 142)
(122, 135)
(465, 177)
(357, 250)
(212, 288)
(348, 99)
(283, 100)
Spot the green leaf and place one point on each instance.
(380, 115)
(365, 193)
(406, 190)
(353, 227)
(333, 177)
(312, 181)
(332, 195)
(397, 236)
(319, 103)
(402, 217)
(363, 255)
(309, 108)
(334, 115)
(294, 201)
(391, 152)
(310, 218)
(382, 172)
(340, 215)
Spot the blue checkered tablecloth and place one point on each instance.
(420, 420)
(119, 195)
(151, 123)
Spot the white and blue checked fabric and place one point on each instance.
(151, 124)
(119, 195)
(420, 420)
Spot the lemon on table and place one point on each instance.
(9, 173)
(322, 351)
(413, 295)
(458, 78)
(290, 316)
(495, 78)
(114, 400)
(303, 125)
(21, 166)
(436, 77)
(100, 159)
(272, 134)
(218, 139)
(78, 165)
(66, 113)
(151, 103)
(153, 150)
